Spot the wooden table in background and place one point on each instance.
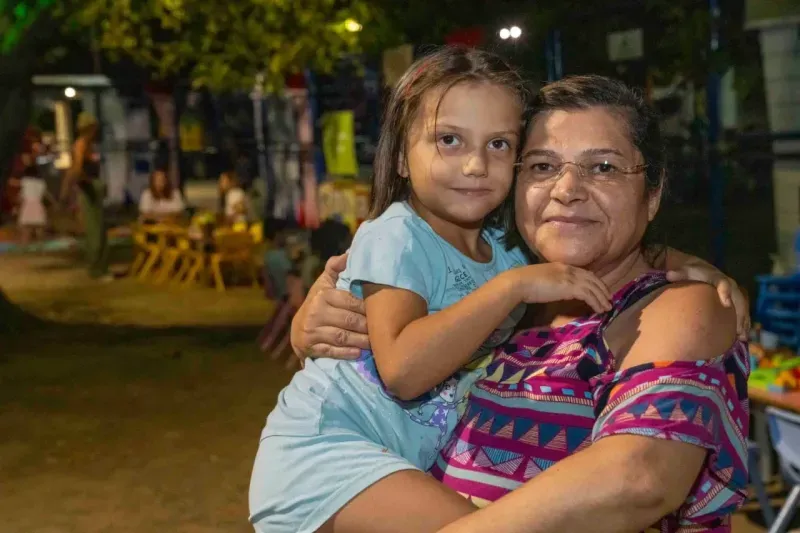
(789, 401)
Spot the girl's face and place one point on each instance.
(461, 151)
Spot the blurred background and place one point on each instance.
(230, 142)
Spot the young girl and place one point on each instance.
(32, 218)
(441, 291)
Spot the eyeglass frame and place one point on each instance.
(583, 172)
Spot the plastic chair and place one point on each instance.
(173, 254)
(142, 251)
(754, 466)
(784, 428)
(236, 249)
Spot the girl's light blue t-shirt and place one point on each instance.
(400, 249)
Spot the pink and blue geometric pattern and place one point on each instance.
(551, 392)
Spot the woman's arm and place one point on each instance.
(619, 485)
(75, 170)
(643, 478)
(331, 322)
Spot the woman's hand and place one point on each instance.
(552, 282)
(728, 290)
(331, 322)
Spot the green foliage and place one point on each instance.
(226, 45)
(16, 18)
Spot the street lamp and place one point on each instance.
(69, 92)
(514, 32)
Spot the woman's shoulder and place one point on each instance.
(146, 195)
(678, 322)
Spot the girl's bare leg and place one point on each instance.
(405, 502)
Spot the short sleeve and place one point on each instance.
(703, 403)
(395, 253)
(146, 202)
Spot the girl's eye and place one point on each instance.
(449, 140)
(500, 144)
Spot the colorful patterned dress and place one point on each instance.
(551, 392)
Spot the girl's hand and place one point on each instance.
(728, 290)
(552, 282)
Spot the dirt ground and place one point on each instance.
(135, 408)
(139, 410)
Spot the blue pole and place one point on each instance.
(716, 178)
(558, 63)
(549, 56)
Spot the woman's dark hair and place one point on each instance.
(442, 69)
(167, 194)
(585, 92)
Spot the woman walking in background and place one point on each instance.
(85, 172)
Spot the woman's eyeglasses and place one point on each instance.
(539, 168)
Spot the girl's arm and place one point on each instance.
(415, 351)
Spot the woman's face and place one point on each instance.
(160, 181)
(591, 217)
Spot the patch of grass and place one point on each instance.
(131, 429)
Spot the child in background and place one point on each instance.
(290, 267)
(236, 207)
(32, 216)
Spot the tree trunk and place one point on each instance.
(18, 68)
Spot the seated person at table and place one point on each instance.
(236, 208)
(160, 201)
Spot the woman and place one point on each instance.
(644, 407)
(160, 201)
(85, 173)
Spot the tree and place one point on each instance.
(227, 45)
(25, 31)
